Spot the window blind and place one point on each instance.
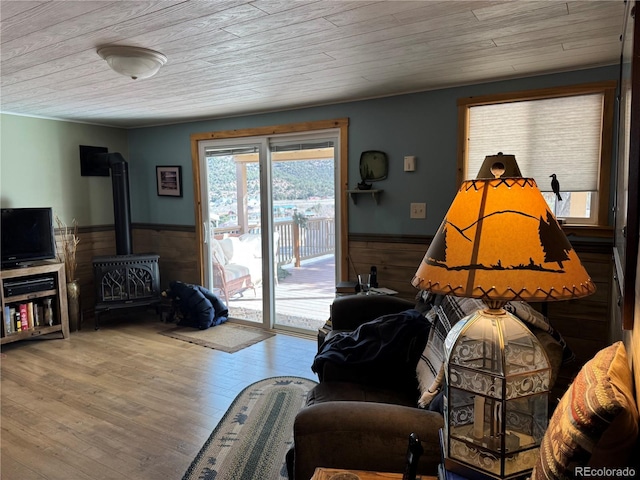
(221, 152)
(294, 147)
(554, 135)
(284, 147)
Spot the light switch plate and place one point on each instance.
(418, 210)
(409, 163)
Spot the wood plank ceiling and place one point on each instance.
(233, 57)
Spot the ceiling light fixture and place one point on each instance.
(134, 62)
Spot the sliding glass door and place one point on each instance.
(304, 213)
(269, 206)
(233, 207)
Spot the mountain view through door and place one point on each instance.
(299, 273)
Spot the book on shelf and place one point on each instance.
(16, 320)
(39, 315)
(8, 320)
(30, 318)
(24, 317)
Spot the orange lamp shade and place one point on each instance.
(499, 241)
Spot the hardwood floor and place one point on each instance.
(124, 402)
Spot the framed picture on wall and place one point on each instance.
(169, 180)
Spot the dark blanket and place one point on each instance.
(199, 307)
(391, 342)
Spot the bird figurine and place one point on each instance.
(555, 186)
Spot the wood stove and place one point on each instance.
(124, 280)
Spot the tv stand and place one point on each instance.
(41, 292)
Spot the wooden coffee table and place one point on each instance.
(322, 473)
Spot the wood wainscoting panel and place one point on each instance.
(94, 241)
(585, 323)
(396, 260)
(177, 249)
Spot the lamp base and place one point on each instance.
(467, 471)
(512, 442)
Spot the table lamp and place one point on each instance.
(498, 242)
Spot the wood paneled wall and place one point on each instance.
(396, 259)
(585, 323)
(177, 248)
(94, 242)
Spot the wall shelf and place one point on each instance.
(354, 194)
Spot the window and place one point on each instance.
(564, 131)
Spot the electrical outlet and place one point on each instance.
(418, 210)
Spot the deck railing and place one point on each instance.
(296, 242)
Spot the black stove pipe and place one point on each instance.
(121, 200)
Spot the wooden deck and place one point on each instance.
(303, 297)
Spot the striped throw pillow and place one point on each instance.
(595, 425)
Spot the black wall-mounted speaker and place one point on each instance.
(90, 166)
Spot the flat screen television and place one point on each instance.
(27, 236)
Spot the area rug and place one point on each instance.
(227, 337)
(251, 440)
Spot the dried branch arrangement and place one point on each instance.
(70, 242)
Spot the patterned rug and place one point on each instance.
(227, 337)
(251, 440)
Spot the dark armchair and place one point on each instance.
(360, 415)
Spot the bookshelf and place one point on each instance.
(36, 286)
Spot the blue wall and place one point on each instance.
(421, 124)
